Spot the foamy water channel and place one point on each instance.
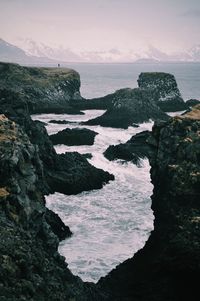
(109, 225)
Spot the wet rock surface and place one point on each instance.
(167, 268)
(77, 136)
(133, 150)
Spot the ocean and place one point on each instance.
(101, 79)
(111, 224)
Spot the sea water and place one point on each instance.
(110, 224)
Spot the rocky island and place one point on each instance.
(167, 268)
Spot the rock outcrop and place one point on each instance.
(30, 266)
(157, 93)
(192, 102)
(129, 106)
(60, 171)
(133, 150)
(164, 89)
(43, 90)
(76, 136)
(168, 267)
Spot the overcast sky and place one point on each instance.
(170, 25)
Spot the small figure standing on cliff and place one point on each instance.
(58, 65)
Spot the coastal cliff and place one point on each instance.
(44, 90)
(167, 268)
(30, 266)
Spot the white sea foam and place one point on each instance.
(110, 224)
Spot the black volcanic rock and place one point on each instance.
(77, 136)
(130, 106)
(192, 102)
(138, 147)
(164, 89)
(45, 90)
(168, 267)
(73, 174)
(57, 226)
(55, 168)
(30, 266)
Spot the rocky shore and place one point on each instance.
(167, 268)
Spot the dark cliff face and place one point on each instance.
(43, 89)
(167, 268)
(30, 266)
(165, 90)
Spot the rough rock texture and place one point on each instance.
(164, 88)
(44, 90)
(55, 166)
(133, 150)
(30, 266)
(77, 136)
(130, 106)
(192, 102)
(74, 174)
(168, 267)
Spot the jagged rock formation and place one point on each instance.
(168, 267)
(62, 173)
(77, 136)
(129, 106)
(43, 90)
(157, 93)
(133, 150)
(164, 89)
(30, 266)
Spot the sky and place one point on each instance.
(99, 25)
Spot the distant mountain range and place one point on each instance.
(13, 54)
(31, 52)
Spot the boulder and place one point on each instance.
(77, 136)
(133, 150)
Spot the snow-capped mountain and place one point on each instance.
(34, 52)
(13, 54)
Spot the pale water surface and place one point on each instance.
(109, 224)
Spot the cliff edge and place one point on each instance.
(168, 267)
(45, 90)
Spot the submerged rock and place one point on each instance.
(77, 136)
